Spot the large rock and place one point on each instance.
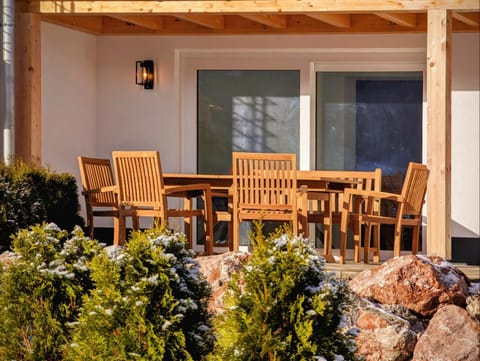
(452, 335)
(384, 334)
(473, 301)
(419, 283)
(218, 270)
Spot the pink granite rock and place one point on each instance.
(452, 335)
(382, 334)
(218, 270)
(419, 283)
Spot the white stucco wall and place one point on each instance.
(465, 135)
(68, 97)
(99, 108)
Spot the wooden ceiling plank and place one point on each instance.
(408, 20)
(209, 21)
(273, 21)
(337, 20)
(88, 24)
(243, 6)
(148, 22)
(469, 19)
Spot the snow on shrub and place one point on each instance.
(283, 306)
(41, 289)
(149, 303)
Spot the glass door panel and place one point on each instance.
(245, 110)
(368, 120)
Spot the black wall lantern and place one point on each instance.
(144, 73)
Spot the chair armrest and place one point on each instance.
(302, 190)
(190, 190)
(113, 189)
(100, 190)
(373, 194)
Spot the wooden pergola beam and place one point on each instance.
(337, 20)
(209, 21)
(242, 6)
(468, 19)
(89, 24)
(439, 94)
(273, 21)
(147, 22)
(28, 109)
(408, 20)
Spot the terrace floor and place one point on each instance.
(348, 270)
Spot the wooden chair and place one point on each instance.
(141, 193)
(264, 188)
(408, 210)
(98, 190)
(326, 207)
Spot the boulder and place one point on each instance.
(383, 333)
(473, 300)
(452, 335)
(419, 283)
(218, 270)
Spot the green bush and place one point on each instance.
(30, 195)
(283, 306)
(69, 298)
(40, 291)
(149, 303)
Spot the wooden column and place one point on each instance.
(439, 132)
(28, 111)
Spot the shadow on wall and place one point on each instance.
(465, 245)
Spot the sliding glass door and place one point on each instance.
(368, 120)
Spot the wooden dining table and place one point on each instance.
(312, 182)
(311, 179)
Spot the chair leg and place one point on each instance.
(295, 227)
(236, 230)
(327, 231)
(415, 238)
(135, 223)
(116, 230)
(357, 230)
(343, 233)
(366, 243)
(376, 243)
(122, 231)
(397, 239)
(90, 226)
(208, 212)
(230, 235)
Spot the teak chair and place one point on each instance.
(141, 193)
(264, 188)
(408, 210)
(326, 207)
(98, 190)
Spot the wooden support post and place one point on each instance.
(28, 127)
(439, 91)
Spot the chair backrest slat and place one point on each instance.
(265, 180)
(139, 178)
(414, 188)
(96, 173)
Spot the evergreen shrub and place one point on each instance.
(283, 306)
(66, 297)
(31, 195)
(40, 291)
(149, 303)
